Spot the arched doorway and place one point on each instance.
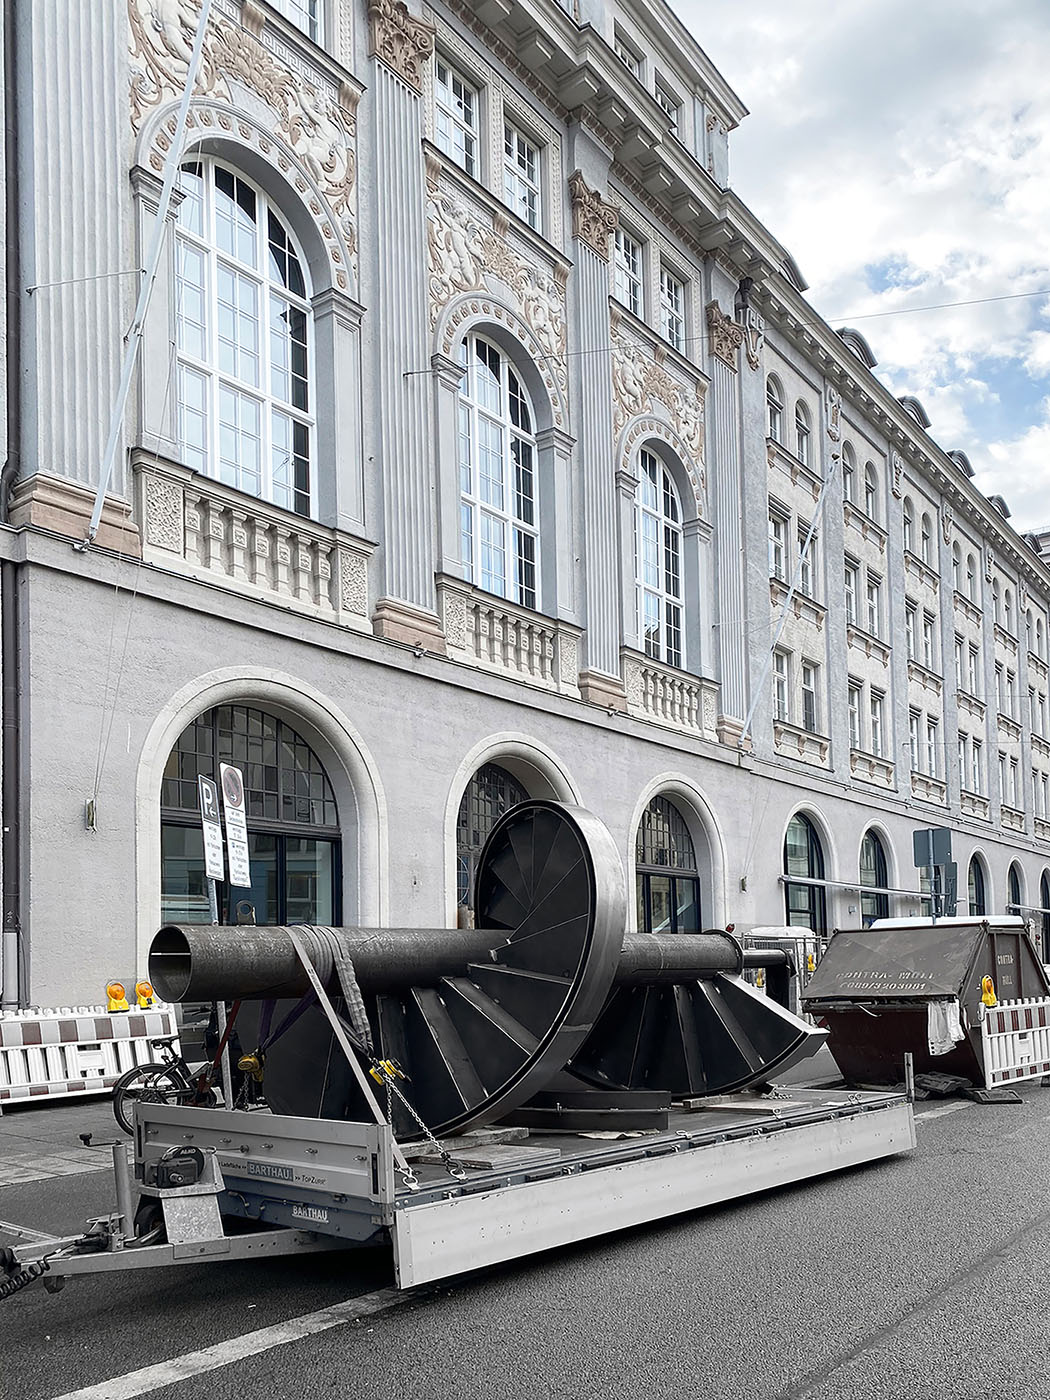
(975, 887)
(805, 904)
(490, 792)
(876, 904)
(294, 837)
(667, 876)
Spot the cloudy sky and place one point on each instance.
(901, 150)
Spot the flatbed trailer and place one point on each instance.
(274, 1184)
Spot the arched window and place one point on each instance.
(873, 873)
(871, 491)
(971, 578)
(997, 602)
(1015, 889)
(806, 906)
(244, 338)
(490, 792)
(975, 887)
(908, 517)
(926, 540)
(498, 514)
(668, 881)
(802, 433)
(1008, 610)
(775, 409)
(957, 567)
(293, 824)
(1040, 639)
(658, 561)
(1044, 918)
(849, 473)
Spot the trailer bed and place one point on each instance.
(339, 1180)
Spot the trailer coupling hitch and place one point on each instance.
(23, 1277)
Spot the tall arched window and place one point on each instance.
(1008, 610)
(871, 491)
(658, 561)
(997, 602)
(908, 518)
(1015, 890)
(498, 514)
(806, 906)
(293, 825)
(975, 887)
(1044, 918)
(926, 539)
(775, 409)
(244, 340)
(668, 881)
(1040, 638)
(957, 567)
(490, 792)
(971, 578)
(875, 905)
(802, 439)
(849, 473)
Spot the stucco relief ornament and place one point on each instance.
(462, 251)
(897, 466)
(947, 521)
(318, 127)
(400, 40)
(593, 218)
(754, 336)
(833, 412)
(725, 335)
(637, 381)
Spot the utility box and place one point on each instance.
(889, 989)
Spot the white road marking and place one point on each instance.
(942, 1109)
(196, 1363)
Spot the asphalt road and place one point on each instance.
(926, 1277)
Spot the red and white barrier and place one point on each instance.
(75, 1050)
(1015, 1041)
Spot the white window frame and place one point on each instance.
(229, 356)
(781, 675)
(910, 613)
(806, 561)
(628, 55)
(802, 434)
(778, 546)
(810, 682)
(672, 308)
(873, 604)
(669, 102)
(628, 271)
(499, 519)
(877, 709)
(976, 765)
(774, 410)
(307, 15)
(457, 130)
(933, 743)
(522, 188)
(851, 590)
(659, 562)
(973, 668)
(914, 722)
(871, 491)
(929, 642)
(854, 695)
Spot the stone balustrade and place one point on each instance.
(493, 633)
(667, 696)
(213, 532)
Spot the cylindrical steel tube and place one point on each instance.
(210, 962)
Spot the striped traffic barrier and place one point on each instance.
(1015, 1039)
(71, 1050)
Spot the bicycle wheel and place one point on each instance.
(148, 1083)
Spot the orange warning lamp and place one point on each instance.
(144, 993)
(116, 998)
(988, 992)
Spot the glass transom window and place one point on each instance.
(244, 340)
(497, 476)
(304, 13)
(521, 175)
(658, 561)
(456, 117)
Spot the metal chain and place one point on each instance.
(453, 1168)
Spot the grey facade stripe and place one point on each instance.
(723, 475)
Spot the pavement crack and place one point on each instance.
(981, 1265)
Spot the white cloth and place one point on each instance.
(943, 1027)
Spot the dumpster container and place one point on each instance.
(898, 985)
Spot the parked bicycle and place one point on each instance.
(168, 1080)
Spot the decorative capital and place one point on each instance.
(593, 218)
(726, 336)
(400, 40)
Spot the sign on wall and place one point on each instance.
(232, 782)
(211, 825)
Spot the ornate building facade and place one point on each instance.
(481, 444)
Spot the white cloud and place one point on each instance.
(900, 151)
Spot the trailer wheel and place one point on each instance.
(148, 1224)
